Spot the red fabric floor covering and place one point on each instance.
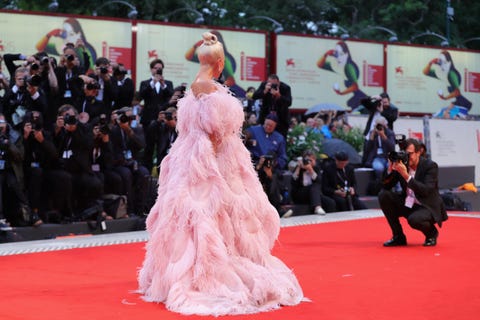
(342, 267)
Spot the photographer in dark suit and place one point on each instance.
(276, 98)
(74, 142)
(25, 95)
(160, 136)
(155, 92)
(128, 144)
(419, 201)
(307, 185)
(339, 183)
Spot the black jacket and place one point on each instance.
(425, 187)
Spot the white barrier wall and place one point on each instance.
(456, 143)
(450, 142)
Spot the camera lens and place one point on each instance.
(70, 57)
(379, 127)
(159, 71)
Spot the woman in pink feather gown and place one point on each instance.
(212, 228)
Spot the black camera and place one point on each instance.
(371, 103)
(168, 116)
(119, 72)
(34, 80)
(93, 86)
(36, 125)
(103, 124)
(70, 57)
(306, 161)
(70, 119)
(103, 70)
(379, 127)
(123, 118)
(268, 160)
(396, 156)
(401, 155)
(274, 86)
(34, 66)
(45, 60)
(159, 71)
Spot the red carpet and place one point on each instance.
(342, 268)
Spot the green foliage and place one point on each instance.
(299, 140)
(353, 136)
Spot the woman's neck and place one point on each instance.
(205, 73)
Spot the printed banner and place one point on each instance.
(35, 33)
(245, 54)
(428, 80)
(329, 71)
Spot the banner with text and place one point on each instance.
(329, 71)
(427, 80)
(28, 34)
(245, 54)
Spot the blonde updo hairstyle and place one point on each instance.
(211, 49)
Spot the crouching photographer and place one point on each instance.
(418, 200)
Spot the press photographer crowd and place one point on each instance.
(76, 143)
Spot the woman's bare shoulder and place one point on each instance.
(203, 87)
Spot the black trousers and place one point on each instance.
(418, 217)
(313, 196)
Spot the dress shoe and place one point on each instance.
(396, 242)
(431, 241)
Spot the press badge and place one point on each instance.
(2, 164)
(35, 165)
(67, 154)
(68, 94)
(127, 154)
(409, 200)
(95, 167)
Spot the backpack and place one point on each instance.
(115, 205)
(454, 202)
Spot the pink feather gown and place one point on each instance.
(212, 227)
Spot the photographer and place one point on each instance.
(155, 92)
(25, 95)
(380, 142)
(107, 90)
(74, 142)
(160, 136)
(124, 87)
(69, 83)
(339, 183)
(128, 143)
(307, 185)
(270, 179)
(264, 139)
(419, 200)
(13, 202)
(40, 153)
(101, 156)
(88, 106)
(276, 98)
